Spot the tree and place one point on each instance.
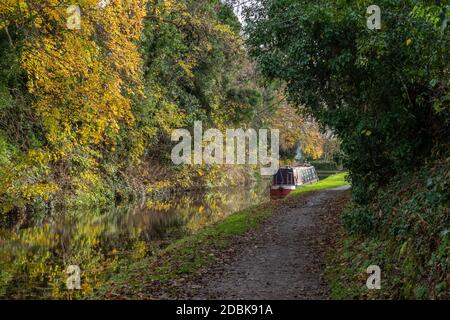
(80, 83)
(297, 131)
(384, 92)
(90, 90)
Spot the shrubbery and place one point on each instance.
(325, 165)
(359, 220)
(406, 232)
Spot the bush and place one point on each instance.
(359, 220)
(321, 165)
(406, 231)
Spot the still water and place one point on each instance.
(34, 260)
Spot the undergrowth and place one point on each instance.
(405, 231)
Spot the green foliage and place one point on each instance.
(405, 232)
(384, 92)
(193, 55)
(322, 165)
(359, 220)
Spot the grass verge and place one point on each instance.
(335, 181)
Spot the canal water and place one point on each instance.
(34, 260)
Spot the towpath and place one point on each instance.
(282, 259)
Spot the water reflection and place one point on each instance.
(33, 260)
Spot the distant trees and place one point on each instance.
(298, 131)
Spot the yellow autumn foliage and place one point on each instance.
(297, 129)
(82, 82)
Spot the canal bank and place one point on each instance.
(177, 268)
(35, 253)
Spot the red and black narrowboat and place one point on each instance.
(287, 179)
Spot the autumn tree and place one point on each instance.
(80, 83)
(91, 90)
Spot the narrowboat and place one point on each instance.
(287, 179)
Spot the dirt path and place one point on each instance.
(284, 258)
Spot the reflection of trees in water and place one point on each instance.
(33, 260)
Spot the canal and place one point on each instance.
(34, 259)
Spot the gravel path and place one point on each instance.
(285, 258)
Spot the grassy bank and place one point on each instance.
(331, 182)
(405, 231)
(166, 269)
